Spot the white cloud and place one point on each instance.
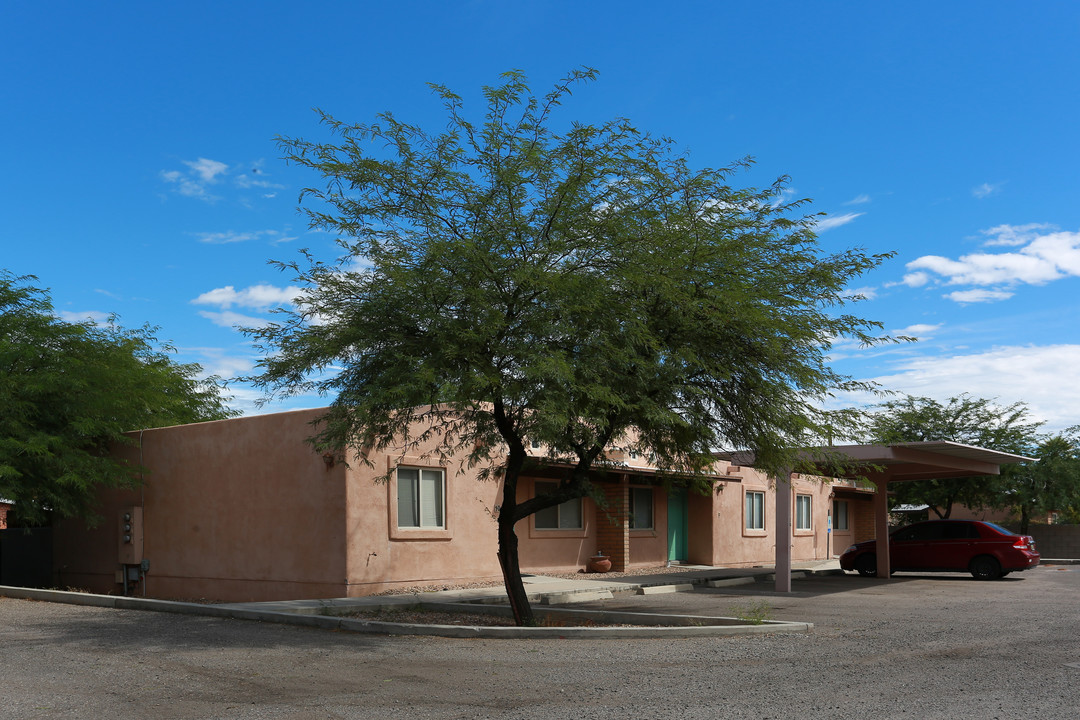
(216, 361)
(255, 297)
(207, 170)
(96, 317)
(986, 190)
(990, 269)
(834, 221)
(916, 279)
(186, 186)
(921, 331)
(200, 175)
(254, 180)
(866, 293)
(1044, 258)
(276, 237)
(859, 200)
(1015, 234)
(224, 238)
(786, 195)
(1047, 378)
(194, 181)
(978, 295)
(228, 365)
(230, 319)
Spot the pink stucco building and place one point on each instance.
(244, 509)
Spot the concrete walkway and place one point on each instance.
(549, 595)
(556, 591)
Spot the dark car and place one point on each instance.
(985, 550)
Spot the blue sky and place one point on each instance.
(141, 176)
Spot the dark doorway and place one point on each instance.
(26, 558)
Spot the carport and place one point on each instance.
(881, 465)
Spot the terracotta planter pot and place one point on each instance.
(599, 564)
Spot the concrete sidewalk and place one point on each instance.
(333, 613)
(556, 591)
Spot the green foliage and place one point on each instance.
(1050, 484)
(756, 612)
(507, 281)
(70, 390)
(585, 288)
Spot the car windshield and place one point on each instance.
(1000, 529)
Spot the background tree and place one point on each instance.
(1050, 485)
(583, 287)
(962, 419)
(69, 391)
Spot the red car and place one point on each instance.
(985, 550)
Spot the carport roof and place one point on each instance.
(932, 459)
(905, 461)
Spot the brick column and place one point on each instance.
(613, 526)
(863, 525)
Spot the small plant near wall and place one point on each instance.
(757, 612)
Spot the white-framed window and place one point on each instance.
(566, 516)
(802, 512)
(755, 510)
(840, 515)
(641, 508)
(421, 499)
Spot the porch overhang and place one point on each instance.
(616, 473)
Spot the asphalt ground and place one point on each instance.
(914, 646)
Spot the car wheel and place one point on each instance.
(867, 566)
(985, 567)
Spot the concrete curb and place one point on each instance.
(574, 596)
(691, 626)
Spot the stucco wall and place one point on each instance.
(732, 544)
(233, 510)
(383, 556)
(244, 509)
(569, 550)
(551, 550)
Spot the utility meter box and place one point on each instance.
(130, 537)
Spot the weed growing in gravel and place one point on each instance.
(754, 613)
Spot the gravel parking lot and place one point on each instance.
(915, 646)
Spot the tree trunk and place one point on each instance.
(508, 540)
(1025, 519)
(511, 569)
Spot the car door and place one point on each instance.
(956, 546)
(909, 547)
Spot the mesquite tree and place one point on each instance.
(582, 286)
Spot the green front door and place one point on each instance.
(677, 525)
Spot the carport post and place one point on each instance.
(784, 534)
(881, 526)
